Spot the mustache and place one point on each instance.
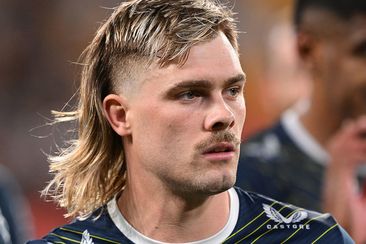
(217, 137)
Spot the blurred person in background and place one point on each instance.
(285, 81)
(15, 220)
(160, 116)
(313, 155)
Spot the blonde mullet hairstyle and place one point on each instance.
(91, 171)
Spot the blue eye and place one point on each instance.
(234, 91)
(188, 95)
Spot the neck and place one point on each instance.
(161, 215)
(321, 119)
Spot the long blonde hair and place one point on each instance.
(89, 172)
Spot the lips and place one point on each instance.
(220, 152)
(220, 147)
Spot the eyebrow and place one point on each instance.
(207, 84)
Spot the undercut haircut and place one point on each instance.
(343, 9)
(92, 170)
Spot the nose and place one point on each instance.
(220, 116)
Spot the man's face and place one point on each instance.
(342, 65)
(186, 121)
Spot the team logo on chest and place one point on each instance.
(290, 222)
(86, 239)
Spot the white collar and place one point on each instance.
(137, 237)
(302, 138)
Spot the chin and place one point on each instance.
(208, 183)
(219, 184)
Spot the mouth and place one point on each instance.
(222, 151)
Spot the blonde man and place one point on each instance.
(160, 116)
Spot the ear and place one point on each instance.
(116, 109)
(305, 43)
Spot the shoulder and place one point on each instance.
(99, 228)
(262, 160)
(266, 145)
(263, 218)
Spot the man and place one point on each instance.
(160, 116)
(311, 156)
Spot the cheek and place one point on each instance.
(240, 114)
(180, 126)
(354, 94)
(355, 72)
(146, 125)
(163, 124)
(350, 77)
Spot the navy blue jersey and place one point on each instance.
(273, 164)
(260, 219)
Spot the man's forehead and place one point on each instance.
(213, 61)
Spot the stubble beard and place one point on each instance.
(200, 185)
(202, 181)
(206, 178)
